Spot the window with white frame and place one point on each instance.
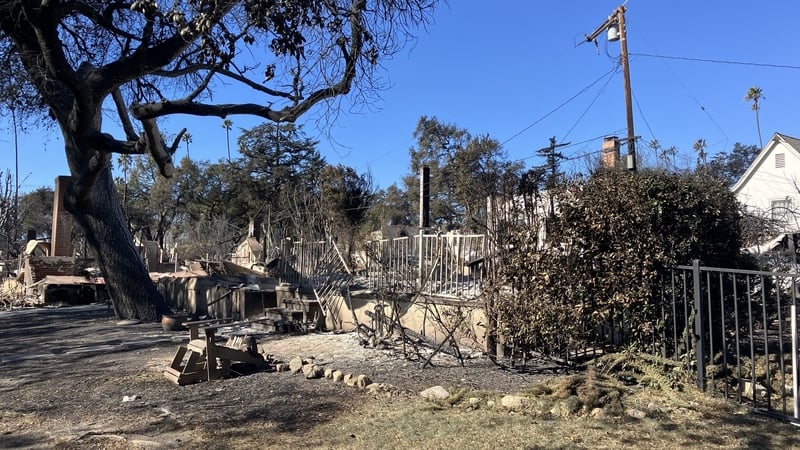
(781, 209)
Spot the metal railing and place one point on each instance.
(445, 265)
(303, 262)
(737, 330)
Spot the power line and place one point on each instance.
(559, 106)
(585, 111)
(571, 145)
(691, 94)
(641, 113)
(718, 61)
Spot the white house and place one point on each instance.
(771, 185)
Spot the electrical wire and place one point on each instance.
(585, 111)
(718, 61)
(517, 134)
(686, 88)
(572, 145)
(641, 113)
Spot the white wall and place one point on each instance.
(767, 183)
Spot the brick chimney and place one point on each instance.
(61, 240)
(610, 152)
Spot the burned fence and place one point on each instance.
(441, 265)
(445, 265)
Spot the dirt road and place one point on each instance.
(74, 378)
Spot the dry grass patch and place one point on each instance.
(601, 409)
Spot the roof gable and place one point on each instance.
(793, 144)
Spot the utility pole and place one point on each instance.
(552, 166)
(626, 77)
(614, 26)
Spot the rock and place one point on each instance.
(760, 390)
(363, 381)
(328, 373)
(127, 322)
(130, 398)
(375, 387)
(281, 367)
(653, 408)
(337, 375)
(513, 402)
(636, 413)
(435, 393)
(350, 380)
(473, 402)
(598, 413)
(296, 364)
(490, 403)
(312, 371)
(566, 407)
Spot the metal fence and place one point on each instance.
(302, 262)
(737, 330)
(445, 265)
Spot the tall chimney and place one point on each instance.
(610, 152)
(424, 197)
(61, 240)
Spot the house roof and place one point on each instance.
(791, 142)
(253, 243)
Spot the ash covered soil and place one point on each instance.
(74, 377)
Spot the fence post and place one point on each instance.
(698, 326)
(286, 246)
(421, 259)
(795, 371)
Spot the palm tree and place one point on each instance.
(700, 147)
(187, 138)
(655, 146)
(227, 124)
(755, 95)
(668, 156)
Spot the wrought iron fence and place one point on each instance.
(737, 330)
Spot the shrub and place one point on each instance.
(614, 235)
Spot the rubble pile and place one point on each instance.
(12, 296)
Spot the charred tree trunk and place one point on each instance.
(101, 217)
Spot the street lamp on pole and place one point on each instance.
(614, 27)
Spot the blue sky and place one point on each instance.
(512, 70)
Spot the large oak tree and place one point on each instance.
(73, 57)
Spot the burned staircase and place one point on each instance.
(332, 278)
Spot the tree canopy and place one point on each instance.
(729, 167)
(151, 60)
(464, 171)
